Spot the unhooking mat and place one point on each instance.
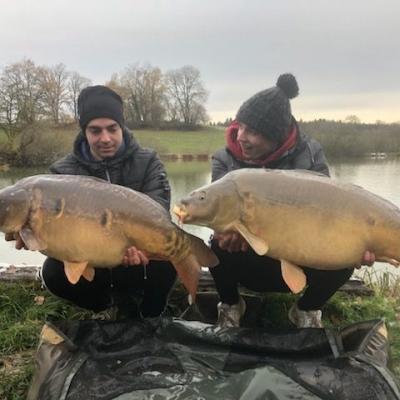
(84, 360)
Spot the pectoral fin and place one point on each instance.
(74, 270)
(31, 241)
(89, 273)
(260, 246)
(293, 276)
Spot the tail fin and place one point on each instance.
(188, 269)
(202, 252)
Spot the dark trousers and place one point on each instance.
(263, 274)
(111, 284)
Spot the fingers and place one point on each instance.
(9, 236)
(231, 241)
(133, 256)
(19, 243)
(245, 246)
(368, 258)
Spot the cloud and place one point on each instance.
(335, 49)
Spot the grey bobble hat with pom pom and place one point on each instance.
(268, 112)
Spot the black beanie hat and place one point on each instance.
(268, 112)
(99, 102)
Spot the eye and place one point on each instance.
(202, 196)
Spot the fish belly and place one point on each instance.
(77, 240)
(312, 239)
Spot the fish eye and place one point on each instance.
(202, 196)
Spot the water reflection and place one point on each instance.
(378, 176)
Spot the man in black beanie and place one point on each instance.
(266, 135)
(104, 148)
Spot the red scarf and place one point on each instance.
(236, 150)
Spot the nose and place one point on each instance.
(104, 137)
(241, 135)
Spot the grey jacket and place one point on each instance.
(306, 154)
(133, 166)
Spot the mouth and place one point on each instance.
(245, 148)
(106, 149)
(181, 212)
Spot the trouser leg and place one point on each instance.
(257, 273)
(321, 286)
(263, 274)
(225, 275)
(95, 295)
(161, 277)
(109, 283)
(155, 284)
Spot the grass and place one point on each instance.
(203, 141)
(21, 319)
(337, 140)
(25, 307)
(50, 143)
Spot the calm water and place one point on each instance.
(380, 176)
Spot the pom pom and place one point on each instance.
(288, 83)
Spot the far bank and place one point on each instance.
(42, 143)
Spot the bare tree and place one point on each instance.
(352, 119)
(76, 83)
(20, 97)
(54, 87)
(23, 78)
(8, 109)
(187, 95)
(143, 91)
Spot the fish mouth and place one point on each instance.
(181, 212)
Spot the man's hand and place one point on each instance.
(133, 256)
(368, 258)
(231, 241)
(19, 243)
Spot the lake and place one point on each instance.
(379, 175)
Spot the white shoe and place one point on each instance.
(305, 319)
(229, 315)
(109, 314)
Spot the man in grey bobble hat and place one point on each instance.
(268, 112)
(266, 135)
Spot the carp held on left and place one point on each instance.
(87, 222)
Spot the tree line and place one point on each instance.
(30, 93)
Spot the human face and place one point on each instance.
(254, 145)
(104, 136)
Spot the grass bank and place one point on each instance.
(44, 143)
(25, 307)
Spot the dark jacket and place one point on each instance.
(135, 167)
(306, 154)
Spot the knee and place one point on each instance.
(52, 272)
(329, 277)
(163, 272)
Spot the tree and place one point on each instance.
(20, 97)
(143, 91)
(352, 119)
(75, 85)
(187, 95)
(8, 108)
(54, 87)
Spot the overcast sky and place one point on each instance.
(344, 53)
